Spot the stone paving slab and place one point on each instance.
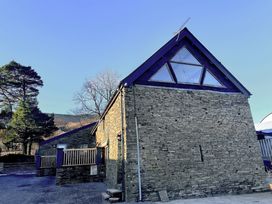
(254, 198)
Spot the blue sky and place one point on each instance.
(69, 41)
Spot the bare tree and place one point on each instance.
(96, 93)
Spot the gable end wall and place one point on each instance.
(175, 126)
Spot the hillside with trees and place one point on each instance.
(67, 122)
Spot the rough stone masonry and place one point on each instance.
(192, 143)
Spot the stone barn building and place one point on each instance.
(180, 126)
(46, 156)
(76, 138)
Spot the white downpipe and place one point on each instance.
(138, 159)
(122, 144)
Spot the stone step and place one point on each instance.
(105, 196)
(115, 195)
(260, 188)
(114, 200)
(114, 192)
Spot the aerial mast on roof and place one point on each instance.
(180, 29)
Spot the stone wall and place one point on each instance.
(74, 140)
(192, 143)
(76, 174)
(46, 172)
(106, 134)
(17, 167)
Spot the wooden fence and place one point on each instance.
(77, 157)
(266, 148)
(48, 161)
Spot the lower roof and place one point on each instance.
(67, 134)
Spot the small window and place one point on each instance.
(210, 80)
(201, 153)
(103, 123)
(187, 73)
(184, 56)
(162, 75)
(106, 149)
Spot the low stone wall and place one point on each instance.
(46, 172)
(19, 167)
(77, 174)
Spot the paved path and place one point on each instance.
(29, 189)
(255, 198)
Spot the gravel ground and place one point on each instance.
(28, 189)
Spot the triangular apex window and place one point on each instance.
(163, 75)
(184, 56)
(210, 80)
(187, 74)
(186, 67)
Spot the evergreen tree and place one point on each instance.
(22, 124)
(7, 96)
(45, 126)
(29, 124)
(18, 82)
(5, 116)
(8, 138)
(19, 88)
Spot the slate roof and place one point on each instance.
(67, 134)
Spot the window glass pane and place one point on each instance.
(187, 73)
(163, 75)
(210, 80)
(183, 55)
